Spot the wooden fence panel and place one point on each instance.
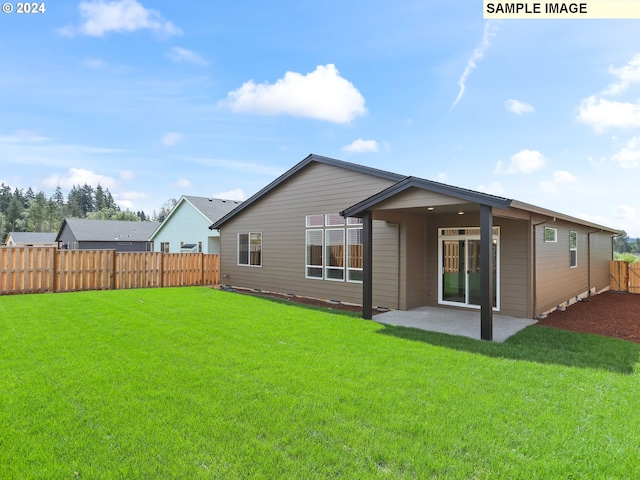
(138, 270)
(619, 276)
(78, 270)
(46, 269)
(211, 269)
(180, 270)
(634, 278)
(26, 270)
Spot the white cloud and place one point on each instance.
(477, 54)
(127, 174)
(322, 94)
(169, 139)
(178, 54)
(601, 113)
(624, 211)
(79, 176)
(627, 75)
(525, 161)
(23, 136)
(494, 188)
(518, 107)
(442, 177)
(236, 194)
(362, 146)
(100, 17)
(629, 155)
(126, 204)
(252, 168)
(548, 187)
(562, 176)
(182, 183)
(132, 195)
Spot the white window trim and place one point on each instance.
(555, 235)
(249, 245)
(495, 238)
(307, 266)
(347, 257)
(328, 223)
(325, 256)
(573, 249)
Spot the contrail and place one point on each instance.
(477, 54)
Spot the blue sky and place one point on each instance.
(156, 99)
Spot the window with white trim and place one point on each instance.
(573, 249)
(314, 264)
(333, 254)
(250, 249)
(550, 234)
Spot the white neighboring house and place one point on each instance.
(186, 228)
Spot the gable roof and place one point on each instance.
(404, 183)
(33, 237)
(414, 182)
(295, 169)
(212, 209)
(108, 230)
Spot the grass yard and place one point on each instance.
(192, 383)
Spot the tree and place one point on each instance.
(165, 209)
(621, 243)
(14, 214)
(36, 212)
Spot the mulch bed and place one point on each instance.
(611, 314)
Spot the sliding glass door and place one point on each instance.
(459, 266)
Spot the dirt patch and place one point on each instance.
(315, 302)
(611, 314)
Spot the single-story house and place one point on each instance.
(118, 235)
(186, 228)
(337, 230)
(31, 239)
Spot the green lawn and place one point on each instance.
(192, 383)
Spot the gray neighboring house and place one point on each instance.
(186, 228)
(121, 236)
(337, 230)
(31, 239)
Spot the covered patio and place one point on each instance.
(453, 322)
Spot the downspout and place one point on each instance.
(589, 261)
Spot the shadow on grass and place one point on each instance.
(539, 344)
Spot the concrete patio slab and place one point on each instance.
(453, 322)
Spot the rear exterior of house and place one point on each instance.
(186, 228)
(306, 232)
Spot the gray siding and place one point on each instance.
(556, 282)
(514, 270)
(280, 217)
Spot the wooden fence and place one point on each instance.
(625, 277)
(45, 269)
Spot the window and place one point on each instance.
(199, 247)
(354, 254)
(314, 254)
(550, 234)
(333, 253)
(250, 249)
(164, 247)
(573, 249)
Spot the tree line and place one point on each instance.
(624, 244)
(27, 211)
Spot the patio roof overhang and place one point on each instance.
(447, 196)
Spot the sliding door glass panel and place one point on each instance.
(453, 271)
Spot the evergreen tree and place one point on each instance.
(36, 212)
(14, 214)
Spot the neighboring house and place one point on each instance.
(31, 239)
(122, 236)
(186, 228)
(337, 230)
